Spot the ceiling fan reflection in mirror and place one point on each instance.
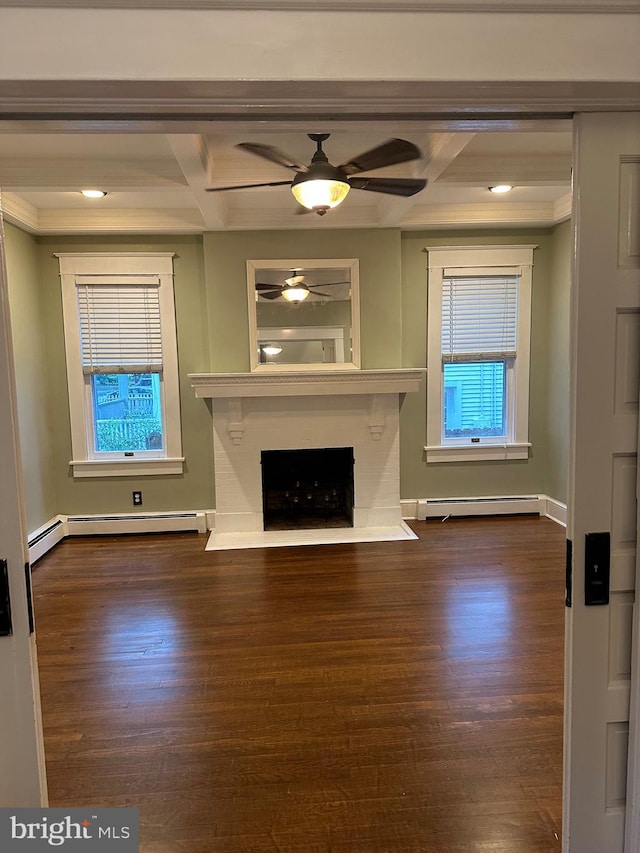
(296, 288)
(321, 186)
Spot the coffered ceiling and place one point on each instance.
(157, 182)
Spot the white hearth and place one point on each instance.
(254, 412)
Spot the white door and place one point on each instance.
(22, 776)
(603, 474)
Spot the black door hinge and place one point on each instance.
(27, 579)
(6, 626)
(568, 600)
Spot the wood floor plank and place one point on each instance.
(368, 698)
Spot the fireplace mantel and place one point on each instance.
(254, 413)
(306, 383)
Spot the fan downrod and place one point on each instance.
(319, 156)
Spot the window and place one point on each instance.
(122, 367)
(478, 353)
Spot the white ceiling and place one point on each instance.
(156, 183)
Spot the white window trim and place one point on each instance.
(477, 260)
(120, 264)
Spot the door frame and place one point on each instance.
(136, 106)
(22, 739)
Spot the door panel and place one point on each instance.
(605, 344)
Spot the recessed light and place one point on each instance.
(501, 188)
(93, 193)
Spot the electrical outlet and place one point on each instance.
(137, 498)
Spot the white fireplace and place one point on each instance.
(257, 412)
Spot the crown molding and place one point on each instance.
(514, 214)
(562, 208)
(135, 221)
(127, 221)
(613, 7)
(19, 212)
(187, 221)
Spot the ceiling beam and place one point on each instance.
(609, 7)
(191, 155)
(439, 151)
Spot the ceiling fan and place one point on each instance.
(295, 288)
(321, 186)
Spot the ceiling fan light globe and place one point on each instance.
(320, 194)
(271, 349)
(295, 294)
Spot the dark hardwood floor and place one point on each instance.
(380, 698)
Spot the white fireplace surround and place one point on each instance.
(295, 410)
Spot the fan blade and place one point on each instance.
(249, 186)
(393, 151)
(273, 154)
(391, 186)
(319, 292)
(330, 283)
(270, 294)
(260, 285)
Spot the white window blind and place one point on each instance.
(479, 317)
(120, 329)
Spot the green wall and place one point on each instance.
(194, 488)
(211, 314)
(463, 479)
(30, 333)
(378, 251)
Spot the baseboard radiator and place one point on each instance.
(54, 531)
(504, 505)
(43, 539)
(156, 522)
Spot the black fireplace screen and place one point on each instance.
(307, 488)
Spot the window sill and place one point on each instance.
(126, 468)
(477, 452)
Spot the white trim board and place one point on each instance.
(44, 538)
(153, 522)
(395, 6)
(422, 508)
(60, 527)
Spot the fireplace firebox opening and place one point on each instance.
(307, 488)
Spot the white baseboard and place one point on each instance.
(556, 511)
(147, 522)
(46, 537)
(423, 508)
(58, 528)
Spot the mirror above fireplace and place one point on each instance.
(303, 314)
